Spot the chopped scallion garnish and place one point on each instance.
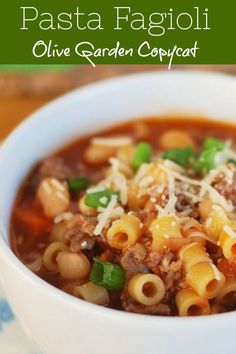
(100, 199)
(210, 143)
(107, 275)
(78, 184)
(142, 155)
(179, 155)
(208, 158)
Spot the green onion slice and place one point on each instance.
(209, 157)
(107, 275)
(78, 184)
(142, 155)
(206, 161)
(211, 143)
(179, 155)
(100, 199)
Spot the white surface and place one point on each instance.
(59, 322)
(13, 339)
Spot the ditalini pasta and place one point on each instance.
(147, 289)
(191, 254)
(227, 241)
(216, 222)
(92, 293)
(140, 218)
(51, 253)
(190, 304)
(163, 229)
(228, 293)
(124, 232)
(205, 279)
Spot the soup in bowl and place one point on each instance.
(136, 215)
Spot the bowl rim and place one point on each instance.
(19, 267)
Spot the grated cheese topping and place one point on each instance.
(118, 180)
(206, 188)
(99, 188)
(61, 196)
(112, 141)
(146, 181)
(57, 185)
(217, 197)
(229, 231)
(105, 215)
(46, 186)
(216, 272)
(63, 217)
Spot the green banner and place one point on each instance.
(117, 32)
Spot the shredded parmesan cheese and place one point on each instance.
(216, 272)
(173, 166)
(169, 208)
(103, 200)
(57, 184)
(61, 196)
(208, 222)
(63, 217)
(105, 215)
(47, 187)
(141, 172)
(229, 231)
(217, 197)
(113, 142)
(95, 189)
(204, 185)
(214, 173)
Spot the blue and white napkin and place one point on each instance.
(13, 338)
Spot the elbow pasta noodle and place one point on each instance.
(125, 154)
(51, 253)
(120, 167)
(92, 293)
(205, 208)
(57, 232)
(190, 304)
(215, 222)
(147, 289)
(135, 202)
(205, 279)
(85, 209)
(73, 266)
(192, 254)
(159, 176)
(227, 242)
(175, 139)
(196, 237)
(162, 229)
(193, 231)
(124, 232)
(98, 154)
(228, 293)
(54, 197)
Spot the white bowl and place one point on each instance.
(60, 323)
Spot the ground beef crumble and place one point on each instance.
(79, 233)
(55, 167)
